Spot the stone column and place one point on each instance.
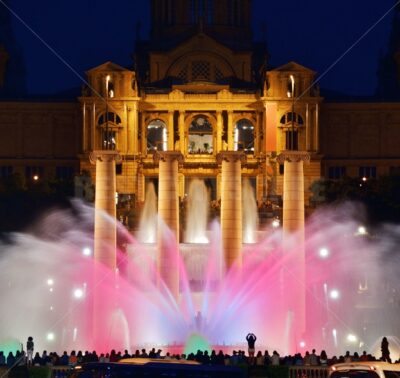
(316, 136)
(93, 143)
(84, 137)
(293, 189)
(294, 284)
(105, 230)
(140, 183)
(105, 240)
(231, 206)
(220, 126)
(231, 131)
(307, 127)
(181, 125)
(170, 133)
(143, 134)
(168, 212)
(133, 130)
(271, 173)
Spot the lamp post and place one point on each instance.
(290, 94)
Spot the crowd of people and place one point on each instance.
(237, 357)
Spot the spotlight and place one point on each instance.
(78, 293)
(351, 338)
(324, 253)
(276, 223)
(361, 230)
(302, 344)
(50, 282)
(86, 251)
(35, 177)
(334, 294)
(50, 336)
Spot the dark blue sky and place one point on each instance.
(314, 33)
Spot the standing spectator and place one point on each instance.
(64, 359)
(313, 358)
(45, 358)
(37, 361)
(2, 358)
(267, 358)
(29, 350)
(385, 350)
(275, 358)
(259, 359)
(113, 356)
(10, 359)
(298, 360)
(73, 359)
(364, 356)
(323, 358)
(306, 359)
(251, 341)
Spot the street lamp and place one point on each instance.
(290, 94)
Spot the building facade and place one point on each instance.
(200, 85)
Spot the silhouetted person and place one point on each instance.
(10, 359)
(385, 350)
(29, 350)
(251, 341)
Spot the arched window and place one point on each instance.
(109, 123)
(292, 122)
(156, 136)
(287, 118)
(244, 136)
(200, 136)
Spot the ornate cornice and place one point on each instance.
(105, 155)
(231, 156)
(168, 156)
(293, 156)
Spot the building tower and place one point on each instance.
(227, 21)
(388, 87)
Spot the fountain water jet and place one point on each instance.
(148, 218)
(197, 212)
(250, 213)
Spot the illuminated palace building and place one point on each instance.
(200, 85)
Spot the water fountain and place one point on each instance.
(148, 218)
(250, 213)
(197, 212)
(351, 289)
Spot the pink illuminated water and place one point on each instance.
(351, 288)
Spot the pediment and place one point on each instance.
(201, 42)
(107, 67)
(293, 67)
(200, 58)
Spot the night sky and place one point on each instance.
(313, 33)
